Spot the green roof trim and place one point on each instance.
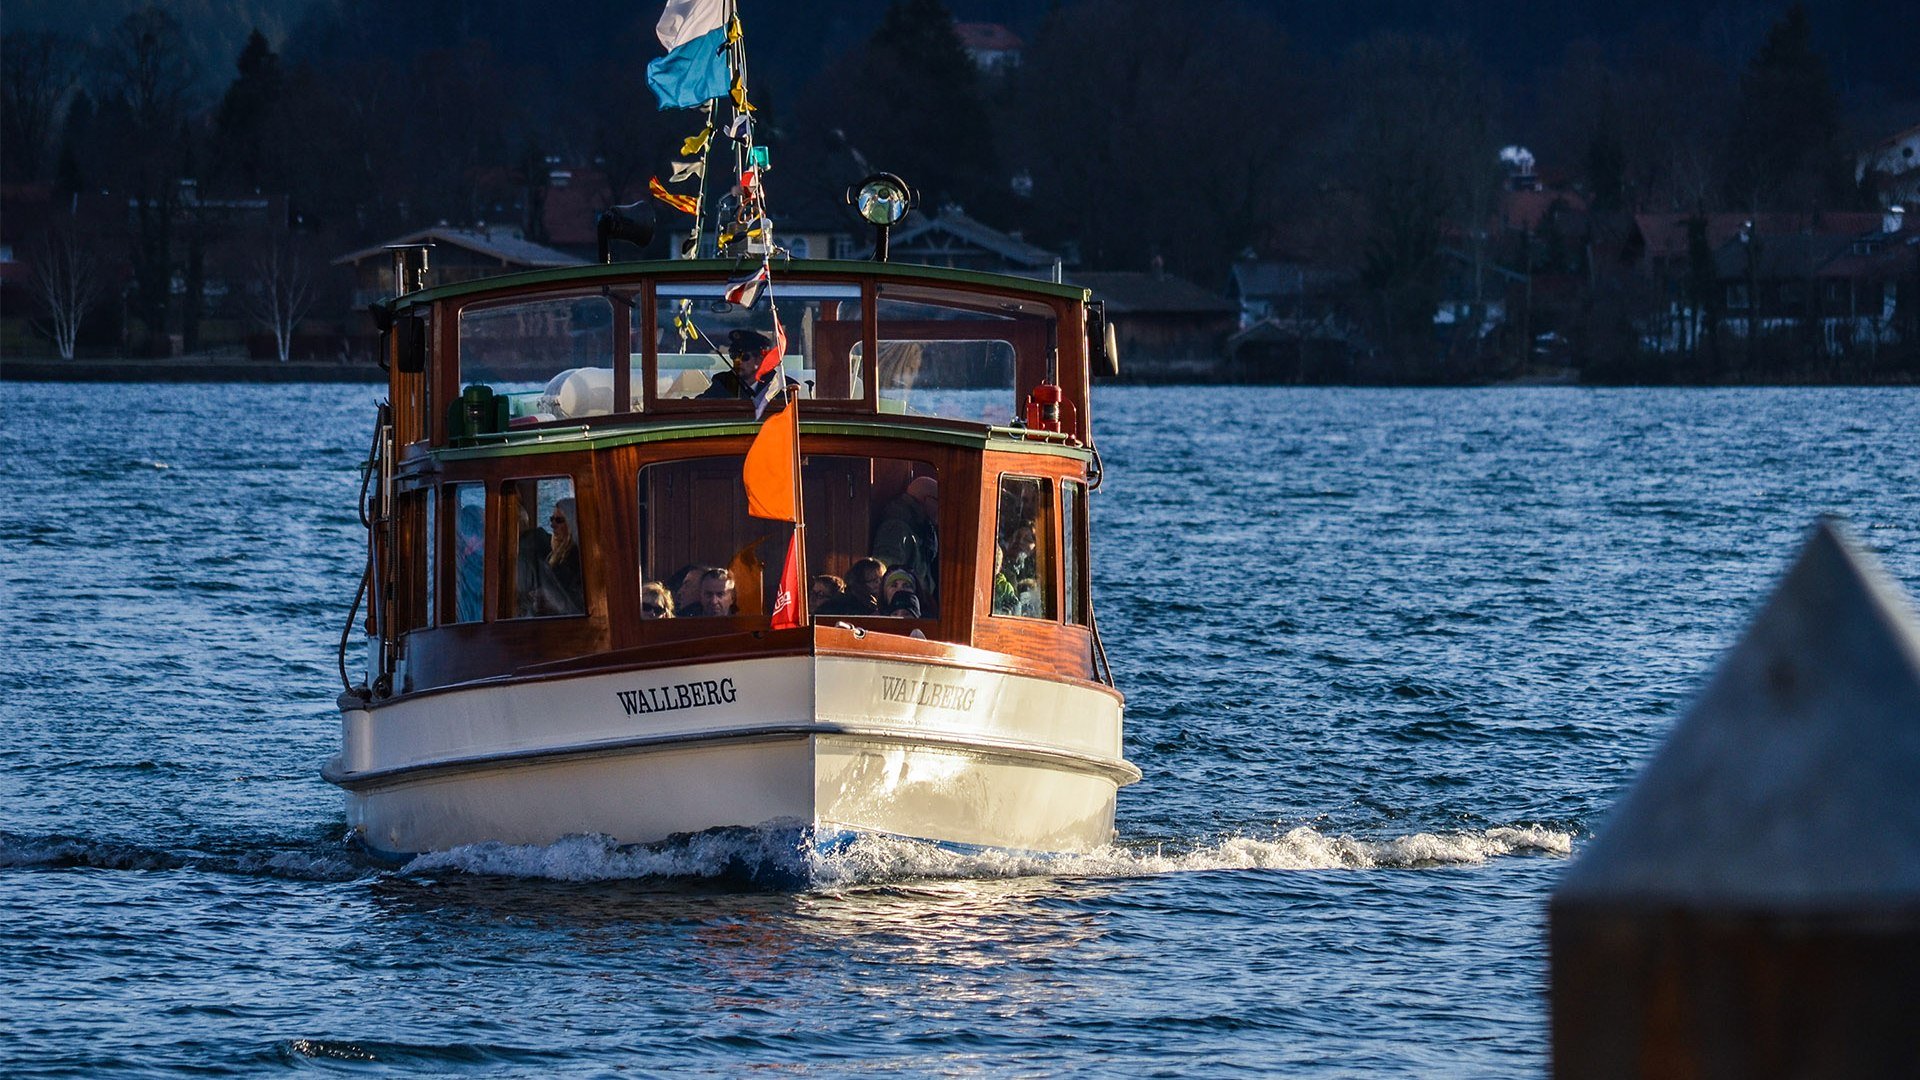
(553, 440)
(631, 271)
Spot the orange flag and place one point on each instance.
(768, 473)
(786, 612)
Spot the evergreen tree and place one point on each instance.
(1784, 153)
(250, 120)
(910, 101)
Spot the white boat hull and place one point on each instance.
(838, 744)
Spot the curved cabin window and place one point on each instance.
(1023, 578)
(543, 536)
(550, 359)
(957, 355)
(469, 505)
(1073, 552)
(698, 327)
(873, 543)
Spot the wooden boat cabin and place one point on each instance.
(560, 473)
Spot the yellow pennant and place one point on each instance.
(696, 144)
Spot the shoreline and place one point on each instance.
(179, 370)
(235, 370)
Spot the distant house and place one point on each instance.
(1276, 288)
(1891, 168)
(951, 238)
(1659, 247)
(1291, 327)
(1845, 284)
(457, 255)
(994, 48)
(1167, 327)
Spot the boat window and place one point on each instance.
(956, 355)
(429, 613)
(697, 328)
(413, 562)
(1023, 583)
(873, 544)
(544, 548)
(469, 505)
(1073, 550)
(551, 358)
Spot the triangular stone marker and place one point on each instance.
(1752, 906)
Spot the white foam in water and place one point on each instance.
(599, 858)
(873, 859)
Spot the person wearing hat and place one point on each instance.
(746, 347)
(901, 597)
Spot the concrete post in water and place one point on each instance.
(1751, 908)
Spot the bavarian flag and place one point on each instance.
(693, 73)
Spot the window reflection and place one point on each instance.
(1023, 549)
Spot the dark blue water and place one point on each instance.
(1389, 655)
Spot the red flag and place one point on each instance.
(772, 357)
(786, 613)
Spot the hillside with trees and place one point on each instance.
(1362, 142)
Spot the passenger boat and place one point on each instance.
(604, 583)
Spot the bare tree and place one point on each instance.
(36, 74)
(281, 291)
(69, 281)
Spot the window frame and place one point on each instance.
(506, 492)
(1046, 548)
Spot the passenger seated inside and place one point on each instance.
(684, 584)
(655, 601)
(716, 593)
(1027, 602)
(902, 601)
(1005, 600)
(824, 591)
(908, 535)
(865, 586)
(564, 559)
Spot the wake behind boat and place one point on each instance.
(662, 547)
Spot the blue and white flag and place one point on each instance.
(692, 74)
(684, 20)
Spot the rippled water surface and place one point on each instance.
(1389, 655)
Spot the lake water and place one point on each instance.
(1389, 657)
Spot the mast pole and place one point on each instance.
(803, 588)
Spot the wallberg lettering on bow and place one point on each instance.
(932, 695)
(675, 696)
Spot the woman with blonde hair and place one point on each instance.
(564, 559)
(655, 601)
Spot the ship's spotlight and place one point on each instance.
(882, 199)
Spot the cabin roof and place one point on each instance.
(510, 249)
(654, 428)
(595, 272)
